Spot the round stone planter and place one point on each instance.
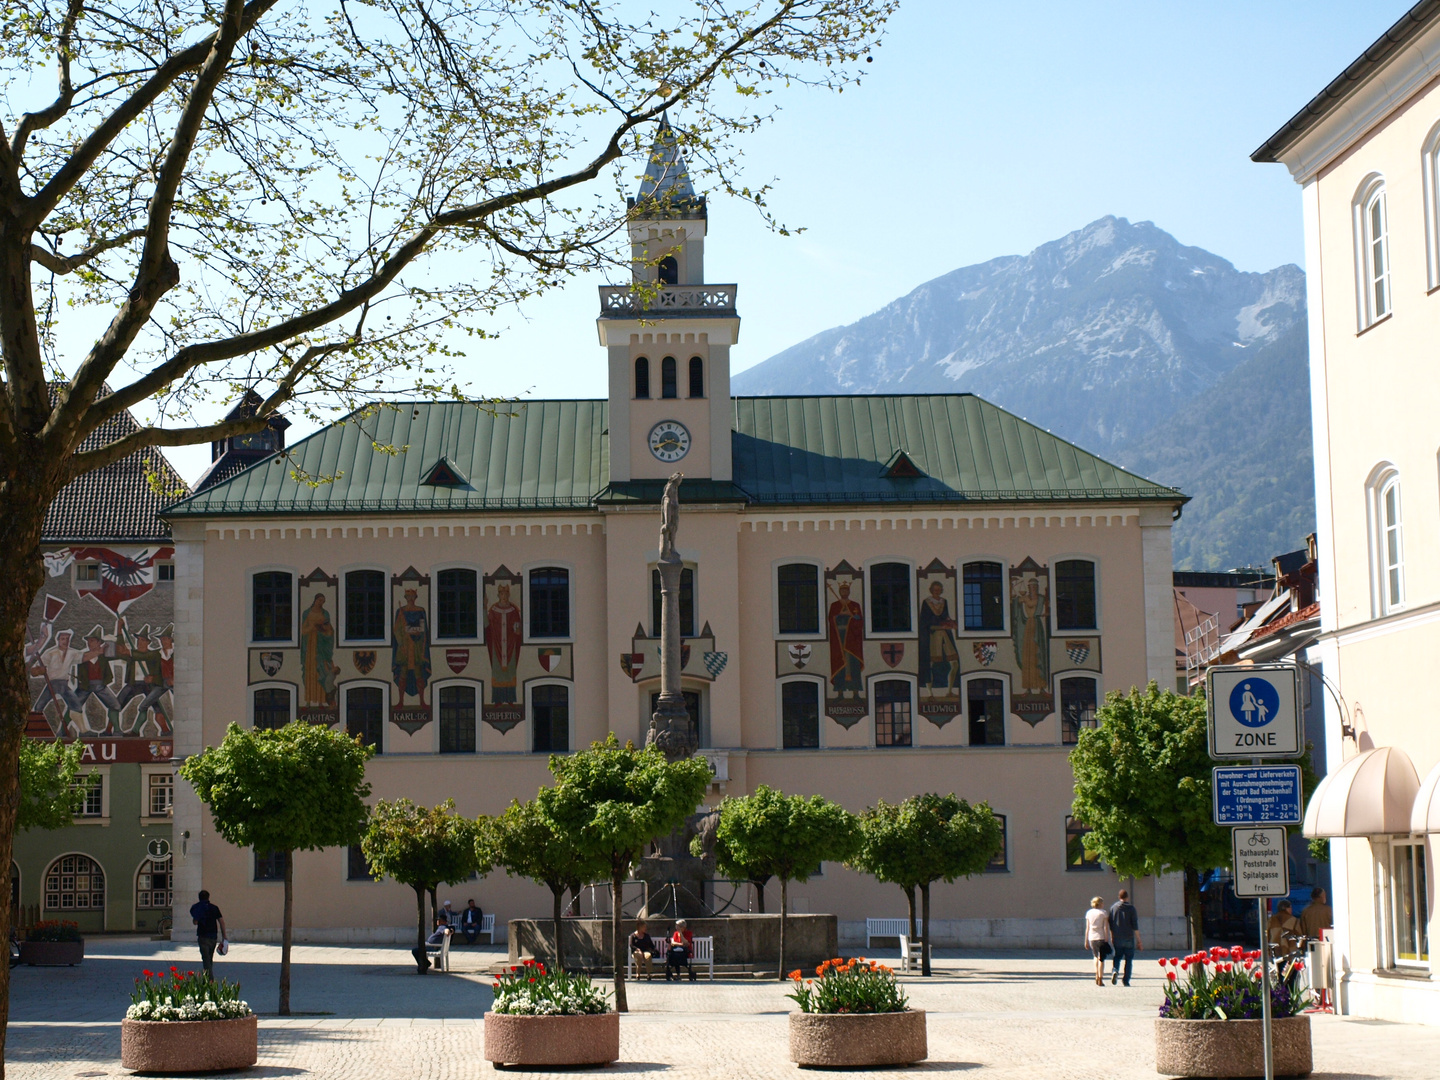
(186, 1046)
(552, 1040)
(848, 1040)
(52, 953)
(1230, 1047)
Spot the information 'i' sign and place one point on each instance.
(1254, 711)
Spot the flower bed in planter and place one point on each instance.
(52, 944)
(544, 1019)
(854, 1014)
(187, 1023)
(1210, 1022)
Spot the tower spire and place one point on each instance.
(666, 180)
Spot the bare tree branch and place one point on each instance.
(43, 118)
(63, 264)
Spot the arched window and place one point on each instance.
(1388, 542)
(669, 271)
(667, 378)
(1078, 701)
(1372, 261)
(74, 883)
(799, 714)
(697, 377)
(457, 719)
(365, 714)
(550, 719)
(985, 708)
(153, 884)
(642, 377)
(892, 712)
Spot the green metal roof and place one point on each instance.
(554, 455)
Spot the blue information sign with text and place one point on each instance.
(1258, 795)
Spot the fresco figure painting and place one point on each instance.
(317, 654)
(846, 622)
(502, 640)
(410, 640)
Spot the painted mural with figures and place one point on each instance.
(100, 651)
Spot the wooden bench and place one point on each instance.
(441, 952)
(896, 928)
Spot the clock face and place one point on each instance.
(669, 440)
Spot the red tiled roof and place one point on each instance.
(1310, 612)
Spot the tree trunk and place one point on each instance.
(910, 899)
(759, 895)
(784, 915)
(422, 962)
(925, 934)
(1194, 915)
(434, 905)
(287, 933)
(617, 944)
(558, 892)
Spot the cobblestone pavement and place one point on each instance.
(364, 1013)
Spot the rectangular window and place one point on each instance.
(890, 598)
(892, 713)
(272, 707)
(364, 709)
(162, 794)
(550, 719)
(1393, 546)
(457, 604)
(356, 868)
(984, 596)
(365, 605)
(271, 606)
(798, 598)
(687, 603)
(800, 714)
(985, 705)
(1077, 707)
(1409, 904)
(269, 865)
(1076, 855)
(87, 571)
(1377, 256)
(1075, 595)
(550, 602)
(457, 720)
(94, 802)
(166, 571)
(1001, 861)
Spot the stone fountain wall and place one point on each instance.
(750, 941)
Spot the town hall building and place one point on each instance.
(882, 596)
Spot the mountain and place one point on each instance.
(1162, 357)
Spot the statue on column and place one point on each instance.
(670, 726)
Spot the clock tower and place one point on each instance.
(668, 335)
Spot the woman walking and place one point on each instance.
(1097, 936)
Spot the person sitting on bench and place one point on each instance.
(442, 928)
(470, 920)
(643, 949)
(682, 947)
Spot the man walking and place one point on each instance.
(1124, 935)
(209, 930)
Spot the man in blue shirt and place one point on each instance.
(1124, 934)
(209, 930)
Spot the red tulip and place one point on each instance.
(1171, 976)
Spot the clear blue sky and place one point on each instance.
(982, 130)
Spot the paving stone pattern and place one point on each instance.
(1001, 1015)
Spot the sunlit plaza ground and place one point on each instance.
(363, 1012)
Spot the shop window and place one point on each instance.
(692, 710)
(800, 714)
(797, 587)
(365, 614)
(1000, 861)
(457, 604)
(271, 707)
(1409, 904)
(74, 883)
(550, 719)
(271, 606)
(890, 598)
(667, 378)
(1075, 595)
(364, 714)
(457, 720)
(642, 377)
(153, 884)
(697, 377)
(1077, 707)
(892, 712)
(356, 866)
(161, 796)
(985, 708)
(1077, 856)
(984, 596)
(550, 602)
(687, 602)
(269, 865)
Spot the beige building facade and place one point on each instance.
(1365, 153)
(882, 596)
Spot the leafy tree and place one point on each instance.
(296, 788)
(1142, 787)
(785, 836)
(204, 201)
(609, 802)
(926, 838)
(526, 844)
(423, 849)
(729, 863)
(51, 788)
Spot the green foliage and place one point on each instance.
(419, 847)
(529, 989)
(1227, 984)
(296, 788)
(527, 844)
(188, 996)
(786, 836)
(848, 986)
(1320, 849)
(926, 838)
(51, 792)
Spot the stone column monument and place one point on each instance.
(670, 727)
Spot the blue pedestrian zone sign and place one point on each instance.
(1254, 711)
(1257, 795)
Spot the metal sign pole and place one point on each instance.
(1265, 1030)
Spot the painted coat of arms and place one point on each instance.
(799, 655)
(985, 652)
(632, 663)
(550, 659)
(892, 652)
(364, 660)
(270, 663)
(457, 659)
(1078, 651)
(715, 663)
